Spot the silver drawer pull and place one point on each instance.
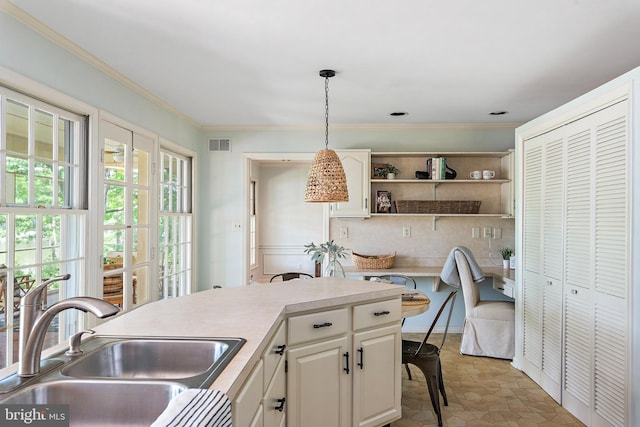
(322, 325)
(381, 313)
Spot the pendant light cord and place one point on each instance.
(326, 113)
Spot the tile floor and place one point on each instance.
(481, 392)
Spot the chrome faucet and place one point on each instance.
(35, 320)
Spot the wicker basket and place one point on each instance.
(364, 262)
(438, 206)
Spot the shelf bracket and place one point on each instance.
(433, 223)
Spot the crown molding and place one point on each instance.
(357, 127)
(58, 39)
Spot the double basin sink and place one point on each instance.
(123, 380)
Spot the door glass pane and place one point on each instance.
(140, 206)
(140, 167)
(114, 204)
(17, 127)
(43, 132)
(113, 246)
(140, 245)
(140, 282)
(43, 184)
(114, 160)
(3, 240)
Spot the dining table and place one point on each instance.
(414, 302)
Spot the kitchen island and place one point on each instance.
(257, 313)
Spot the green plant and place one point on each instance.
(332, 249)
(506, 253)
(391, 169)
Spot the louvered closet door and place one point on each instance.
(531, 259)
(595, 380)
(612, 269)
(579, 254)
(552, 262)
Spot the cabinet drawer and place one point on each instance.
(504, 287)
(274, 402)
(316, 326)
(274, 353)
(377, 313)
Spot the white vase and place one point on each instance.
(505, 263)
(391, 176)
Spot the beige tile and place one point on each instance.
(481, 392)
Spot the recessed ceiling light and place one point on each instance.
(498, 113)
(398, 113)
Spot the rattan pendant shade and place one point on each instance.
(326, 181)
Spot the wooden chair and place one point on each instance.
(426, 357)
(291, 276)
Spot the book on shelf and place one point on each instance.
(438, 167)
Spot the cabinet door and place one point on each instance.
(356, 168)
(377, 387)
(318, 384)
(247, 405)
(274, 402)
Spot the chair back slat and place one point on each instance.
(450, 298)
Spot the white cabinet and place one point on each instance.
(356, 168)
(332, 370)
(318, 369)
(377, 387)
(262, 400)
(495, 194)
(575, 268)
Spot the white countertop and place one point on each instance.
(250, 312)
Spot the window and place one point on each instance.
(175, 230)
(43, 212)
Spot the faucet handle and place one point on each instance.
(34, 296)
(74, 342)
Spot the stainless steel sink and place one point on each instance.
(125, 381)
(103, 402)
(154, 358)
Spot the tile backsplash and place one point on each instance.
(429, 242)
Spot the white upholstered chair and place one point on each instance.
(489, 326)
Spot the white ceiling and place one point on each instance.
(256, 62)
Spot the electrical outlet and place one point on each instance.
(236, 226)
(497, 233)
(344, 233)
(475, 233)
(486, 233)
(406, 231)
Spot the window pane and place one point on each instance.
(114, 205)
(64, 189)
(17, 127)
(25, 236)
(65, 133)
(3, 240)
(43, 129)
(17, 181)
(44, 184)
(51, 238)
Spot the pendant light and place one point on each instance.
(326, 181)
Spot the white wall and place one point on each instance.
(220, 256)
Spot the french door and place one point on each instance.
(128, 209)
